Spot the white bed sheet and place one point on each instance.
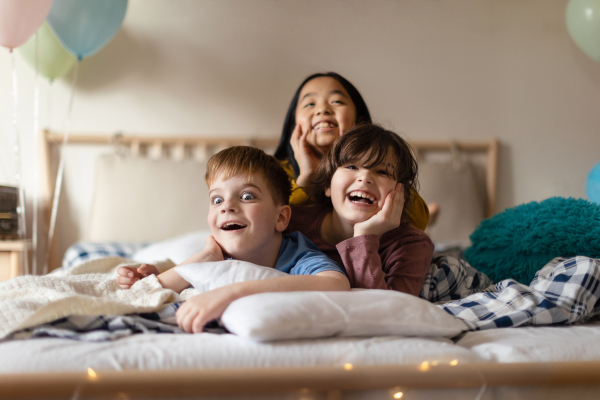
(187, 351)
(174, 351)
(536, 344)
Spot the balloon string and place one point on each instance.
(60, 173)
(36, 169)
(49, 123)
(22, 229)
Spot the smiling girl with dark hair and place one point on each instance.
(284, 150)
(359, 191)
(324, 107)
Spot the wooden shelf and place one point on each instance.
(11, 257)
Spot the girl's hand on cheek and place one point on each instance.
(305, 155)
(387, 218)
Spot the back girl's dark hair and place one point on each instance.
(284, 149)
(371, 139)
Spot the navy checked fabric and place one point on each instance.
(565, 291)
(81, 252)
(101, 328)
(450, 279)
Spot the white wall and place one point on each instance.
(466, 69)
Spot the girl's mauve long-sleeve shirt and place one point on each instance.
(399, 260)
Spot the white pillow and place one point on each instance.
(301, 315)
(213, 275)
(178, 249)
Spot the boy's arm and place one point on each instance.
(203, 308)
(170, 279)
(127, 276)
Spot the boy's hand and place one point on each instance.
(211, 252)
(304, 153)
(203, 308)
(387, 218)
(195, 313)
(130, 275)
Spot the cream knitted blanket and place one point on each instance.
(88, 289)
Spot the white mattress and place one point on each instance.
(182, 351)
(169, 351)
(536, 344)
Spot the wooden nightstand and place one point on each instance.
(11, 253)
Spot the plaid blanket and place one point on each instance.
(100, 328)
(81, 252)
(565, 291)
(450, 279)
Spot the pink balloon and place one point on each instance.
(20, 19)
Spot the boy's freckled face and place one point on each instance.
(242, 216)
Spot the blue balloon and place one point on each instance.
(83, 27)
(592, 186)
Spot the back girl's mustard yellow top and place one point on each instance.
(415, 212)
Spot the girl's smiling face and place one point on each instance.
(325, 111)
(358, 190)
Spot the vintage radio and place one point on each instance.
(9, 200)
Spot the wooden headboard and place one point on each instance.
(200, 148)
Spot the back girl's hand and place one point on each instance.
(211, 252)
(305, 155)
(387, 218)
(127, 276)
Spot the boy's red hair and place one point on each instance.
(248, 161)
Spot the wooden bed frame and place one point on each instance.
(331, 382)
(183, 147)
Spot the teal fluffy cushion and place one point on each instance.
(518, 242)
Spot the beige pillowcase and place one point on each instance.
(139, 199)
(454, 187)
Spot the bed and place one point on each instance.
(528, 362)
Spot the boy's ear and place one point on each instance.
(328, 192)
(283, 219)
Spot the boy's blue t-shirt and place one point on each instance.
(299, 256)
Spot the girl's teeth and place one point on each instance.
(324, 125)
(364, 196)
